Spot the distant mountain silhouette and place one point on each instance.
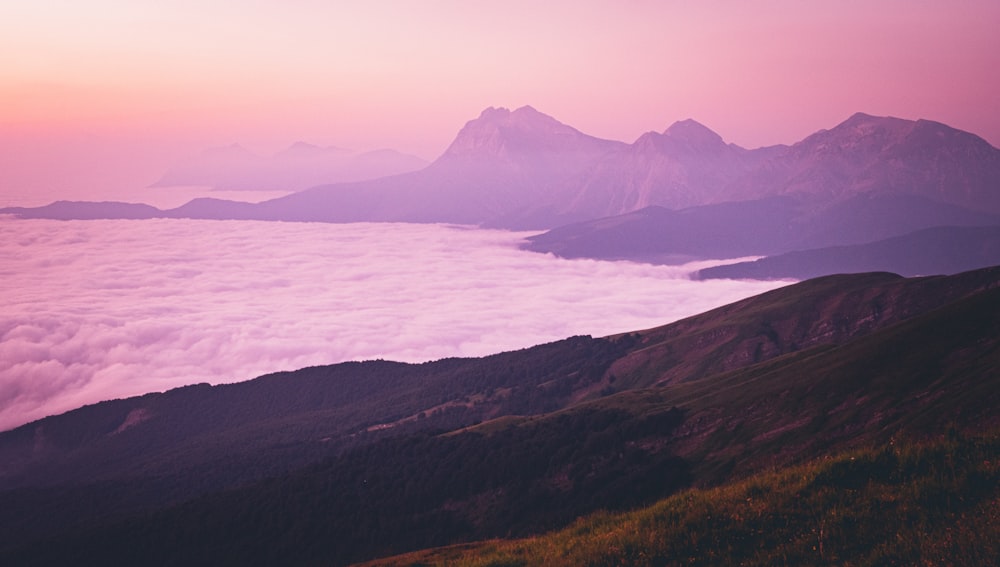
(523, 169)
(86, 210)
(867, 179)
(939, 250)
(496, 171)
(686, 165)
(867, 154)
(222, 167)
(761, 227)
(300, 166)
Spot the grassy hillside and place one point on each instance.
(330, 465)
(904, 503)
(827, 310)
(294, 417)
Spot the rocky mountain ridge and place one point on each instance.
(524, 169)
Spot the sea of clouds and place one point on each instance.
(95, 310)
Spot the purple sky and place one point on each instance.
(98, 97)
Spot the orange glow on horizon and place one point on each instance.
(407, 75)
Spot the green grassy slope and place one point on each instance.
(919, 375)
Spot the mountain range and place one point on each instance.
(866, 180)
(669, 196)
(354, 461)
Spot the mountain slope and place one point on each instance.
(827, 310)
(659, 235)
(940, 250)
(867, 154)
(498, 166)
(375, 458)
(908, 503)
(300, 416)
(334, 403)
(768, 226)
(685, 165)
(688, 165)
(520, 476)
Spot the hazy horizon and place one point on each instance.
(103, 96)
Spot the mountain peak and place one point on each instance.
(861, 117)
(859, 133)
(494, 113)
(301, 150)
(688, 128)
(499, 130)
(525, 117)
(694, 135)
(300, 145)
(865, 123)
(528, 111)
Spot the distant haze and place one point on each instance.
(99, 98)
(96, 310)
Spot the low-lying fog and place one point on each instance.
(94, 310)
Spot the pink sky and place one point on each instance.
(97, 97)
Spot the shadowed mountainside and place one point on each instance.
(352, 461)
(867, 179)
(769, 226)
(940, 250)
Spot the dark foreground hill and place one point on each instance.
(349, 462)
(932, 503)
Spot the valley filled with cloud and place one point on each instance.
(97, 310)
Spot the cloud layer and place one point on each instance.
(95, 310)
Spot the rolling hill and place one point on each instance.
(359, 460)
(905, 503)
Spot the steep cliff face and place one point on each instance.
(685, 165)
(690, 165)
(526, 140)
